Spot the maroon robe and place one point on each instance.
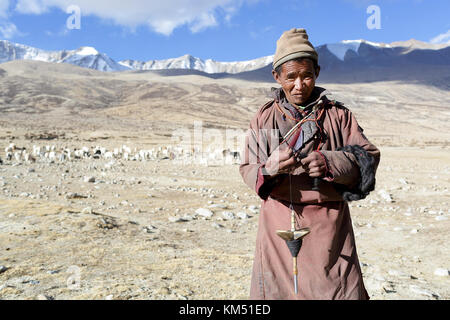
(328, 263)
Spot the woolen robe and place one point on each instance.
(328, 264)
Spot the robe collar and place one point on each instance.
(317, 94)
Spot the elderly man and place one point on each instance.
(306, 157)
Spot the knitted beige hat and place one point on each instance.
(293, 44)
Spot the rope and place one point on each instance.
(299, 123)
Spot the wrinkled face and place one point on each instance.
(297, 78)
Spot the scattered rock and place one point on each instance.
(218, 205)
(424, 292)
(107, 223)
(150, 229)
(187, 217)
(373, 284)
(176, 219)
(3, 269)
(228, 215)
(87, 210)
(399, 274)
(423, 209)
(389, 288)
(204, 212)
(89, 179)
(385, 196)
(53, 271)
(163, 291)
(75, 196)
(242, 215)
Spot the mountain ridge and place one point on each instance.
(89, 57)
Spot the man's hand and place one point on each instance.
(314, 165)
(280, 161)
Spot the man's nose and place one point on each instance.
(298, 83)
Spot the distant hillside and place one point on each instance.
(348, 61)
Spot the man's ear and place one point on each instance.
(276, 77)
(317, 71)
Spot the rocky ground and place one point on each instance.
(87, 229)
(96, 229)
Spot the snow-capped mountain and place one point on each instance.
(193, 63)
(347, 55)
(340, 49)
(354, 61)
(86, 57)
(89, 57)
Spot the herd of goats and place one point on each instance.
(50, 154)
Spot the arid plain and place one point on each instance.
(99, 227)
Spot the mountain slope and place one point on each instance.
(40, 95)
(193, 63)
(361, 61)
(344, 62)
(86, 57)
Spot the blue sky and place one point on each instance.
(223, 30)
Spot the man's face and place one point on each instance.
(297, 78)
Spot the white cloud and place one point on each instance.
(442, 38)
(9, 30)
(4, 6)
(205, 21)
(31, 6)
(162, 16)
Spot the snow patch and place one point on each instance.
(87, 51)
(208, 66)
